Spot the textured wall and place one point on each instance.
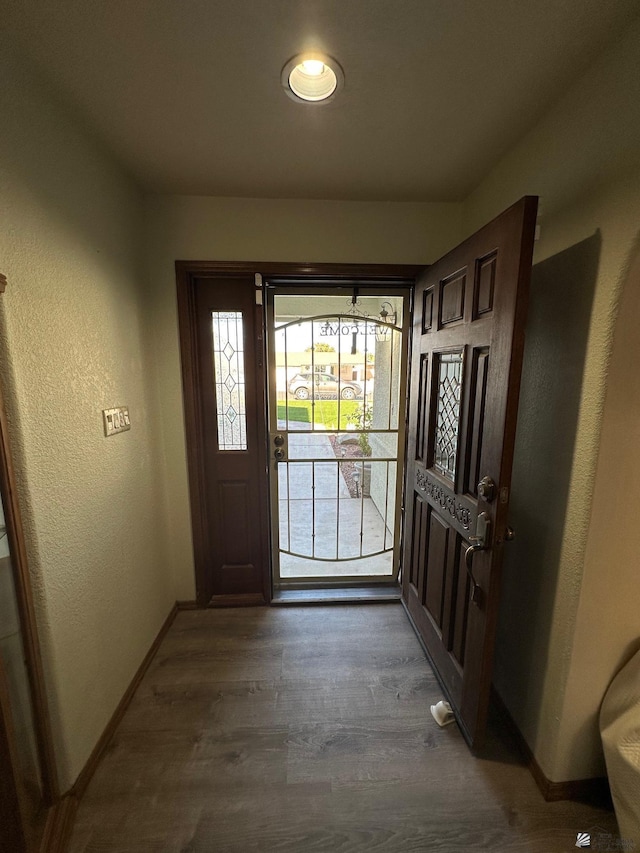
(270, 230)
(73, 343)
(607, 629)
(582, 159)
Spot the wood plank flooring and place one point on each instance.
(307, 729)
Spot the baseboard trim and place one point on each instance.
(100, 748)
(61, 816)
(188, 605)
(593, 791)
(253, 599)
(57, 832)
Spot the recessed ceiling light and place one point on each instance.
(312, 77)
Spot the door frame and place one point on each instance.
(187, 273)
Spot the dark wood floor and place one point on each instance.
(307, 729)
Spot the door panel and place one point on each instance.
(466, 358)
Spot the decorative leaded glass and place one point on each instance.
(448, 413)
(228, 361)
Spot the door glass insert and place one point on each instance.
(228, 360)
(448, 413)
(336, 392)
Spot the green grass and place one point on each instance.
(326, 412)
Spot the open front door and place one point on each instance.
(467, 344)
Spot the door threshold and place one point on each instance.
(345, 595)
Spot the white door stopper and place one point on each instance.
(442, 713)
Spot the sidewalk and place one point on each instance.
(313, 497)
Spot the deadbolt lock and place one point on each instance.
(486, 489)
(278, 440)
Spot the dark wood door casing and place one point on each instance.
(193, 277)
(470, 308)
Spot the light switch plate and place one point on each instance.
(116, 420)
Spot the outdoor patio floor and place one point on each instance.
(319, 518)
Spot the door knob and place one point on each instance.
(509, 534)
(278, 453)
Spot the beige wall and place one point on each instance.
(199, 228)
(607, 630)
(73, 343)
(554, 658)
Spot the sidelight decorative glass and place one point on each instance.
(448, 413)
(228, 360)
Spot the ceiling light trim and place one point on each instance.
(312, 88)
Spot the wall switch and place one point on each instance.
(116, 420)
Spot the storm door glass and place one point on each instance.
(336, 400)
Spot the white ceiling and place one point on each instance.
(187, 93)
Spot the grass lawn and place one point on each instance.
(325, 412)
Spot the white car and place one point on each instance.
(303, 385)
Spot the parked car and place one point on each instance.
(322, 385)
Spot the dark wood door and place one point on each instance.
(231, 385)
(467, 344)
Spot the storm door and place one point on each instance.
(336, 434)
